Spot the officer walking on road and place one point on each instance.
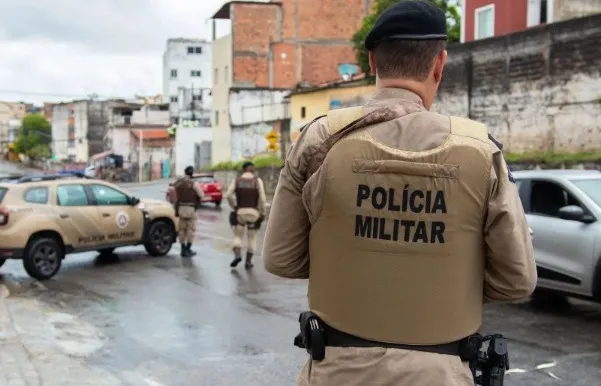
(408, 226)
(246, 195)
(189, 196)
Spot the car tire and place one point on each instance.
(159, 238)
(2, 261)
(43, 258)
(218, 203)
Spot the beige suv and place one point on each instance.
(44, 218)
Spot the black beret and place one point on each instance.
(247, 164)
(409, 20)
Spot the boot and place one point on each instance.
(248, 264)
(190, 251)
(184, 252)
(237, 258)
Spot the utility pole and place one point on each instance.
(140, 165)
(192, 105)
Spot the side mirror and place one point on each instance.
(575, 213)
(133, 201)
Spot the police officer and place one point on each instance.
(189, 196)
(246, 194)
(408, 226)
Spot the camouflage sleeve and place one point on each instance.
(510, 272)
(286, 245)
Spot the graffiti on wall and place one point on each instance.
(249, 141)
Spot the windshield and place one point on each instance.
(2, 193)
(591, 187)
(205, 180)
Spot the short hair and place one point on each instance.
(247, 164)
(189, 171)
(406, 59)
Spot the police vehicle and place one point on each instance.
(563, 209)
(44, 218)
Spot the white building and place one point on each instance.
(187, 66)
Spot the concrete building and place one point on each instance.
(11, 115)
(488, 18)
(273, 47)
(187, 70)
(79, 128)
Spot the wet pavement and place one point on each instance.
(137, 320)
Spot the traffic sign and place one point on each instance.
(272, 137)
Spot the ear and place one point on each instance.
(441, 60)
(372, 63)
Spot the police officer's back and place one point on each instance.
(408, 225)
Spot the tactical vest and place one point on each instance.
(397, 251)
(247, 192)
(184, 189)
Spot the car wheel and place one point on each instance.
(159, 238)
(2, 261)
(106, 251)
(43, 258)
(218, 203)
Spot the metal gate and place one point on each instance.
(202, 155)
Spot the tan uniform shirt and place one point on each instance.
(510, 272)
(186, 211)
(247, 215)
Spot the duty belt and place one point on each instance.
(187, 204)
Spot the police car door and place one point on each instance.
(77, 217)
(123, 223)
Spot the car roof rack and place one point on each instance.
(50, 177)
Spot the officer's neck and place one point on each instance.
(418, 88)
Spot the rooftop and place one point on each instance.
(224, 11)
(150, 134)
(359, 79)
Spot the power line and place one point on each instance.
(74, 95)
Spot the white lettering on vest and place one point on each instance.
(409, 231)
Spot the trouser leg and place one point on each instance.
(251, 245)
(190, 234)
(237, 245)
(183, 229)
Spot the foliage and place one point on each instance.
(34, 136)
(552, 159)
(448, 6)
(263, 161)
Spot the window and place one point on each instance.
(108, 196)
(173, 74)
(303, 112)
(543, 12)
(484, 22)
(225, 74)
(2, 193)
(173, 99)
(195, 73)
(546, 198)
(197, 97)
(38, 195)
(190, 50)
(198, 50)
(591, 188)
(71, 195)
(216, 118)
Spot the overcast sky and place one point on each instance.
(71, 48)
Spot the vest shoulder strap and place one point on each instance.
(339, 118)
(465, 127)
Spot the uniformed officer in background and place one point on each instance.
(408, 226)
(189, 195)
(246, 195)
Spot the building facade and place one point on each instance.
(488, 18)
(273, 47)
(187, 70)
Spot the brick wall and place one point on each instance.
(538, 89)
(305, 43)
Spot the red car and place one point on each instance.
(209, 185)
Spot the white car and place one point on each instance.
(563, 209)
(90, 171)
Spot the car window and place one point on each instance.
(108, 196)
(591, 188)
(37, 195)
(71, 195)
(2, 193)
(546, 198)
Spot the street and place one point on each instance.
(174, 321)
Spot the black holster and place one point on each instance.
(488, 367)
(233, 218)
(312, 336)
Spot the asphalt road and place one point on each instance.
(170, 321)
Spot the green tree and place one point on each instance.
(34, 136)
(448, 6)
